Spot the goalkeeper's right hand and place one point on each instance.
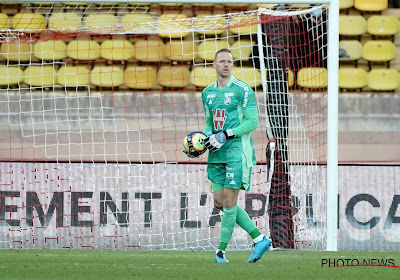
(190, 155)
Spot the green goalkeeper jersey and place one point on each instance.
(232, 107)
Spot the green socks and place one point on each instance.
(244, 221)
(227, 224)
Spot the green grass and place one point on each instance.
(94, 264)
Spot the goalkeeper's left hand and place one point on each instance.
(215, 141)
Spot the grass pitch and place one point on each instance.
(116, 265)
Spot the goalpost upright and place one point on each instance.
(147, 197)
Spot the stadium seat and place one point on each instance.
(249, 75)
(101, 23)
(290, 77)
(203, 76)
(178, 50)
(83, 50)
(384, 79)
(208, 48)
(149, 50)
(106, 76)
(116, 49)
(173, 25)
(312, 77)
(40, 75)
(352, 78)
(4, 22)
(350, 50)
(379, 51)
(10, 75)
(371, 5)
(208, 24)
(29, 22)
(50, 50)
(383, 26)
(16, 51)
(346, 4)
(137, 23)
(243, 24)
(65, 22)
(174, 76)
(73, 75)
(352, 25)
(241, 49)
(140, 77)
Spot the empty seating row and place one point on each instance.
(376, 79)
(364, 5)
(371, 51)
(379, 25)
(119, 49)
(169, 25)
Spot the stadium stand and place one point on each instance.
(10, 76)
(241, 49)
(65, 22)
(207, 48)
(139, 23)
(19, 52)
(165, 24)
(108, 76)
(202, 24)
(50, 50)
(346, 4)
(352, 25)
(242, 24)
(140, 77)
(384, 79)
(152, 50)
(352, 78)
(4, 22)
(312, 77)
(181, 50)
(350, 50)
(73, 75)
(381, 25)
(100, 23)
(371, 5)
(249, 75)
(202, 76)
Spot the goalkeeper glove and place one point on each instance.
(190, 155)
(215, 141)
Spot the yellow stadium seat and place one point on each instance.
(352, 25)
(4, 22)
(16, 51)
(178, 50)
(379, 51)
(208, 24)
(149, 50)
(65, 22)
(40, 75)
(174, 76)
(383, 25)
(208, 48)
(50, 50)
(346, 4)
(203, 76)
(106, 76)
(11, 75)
(350, 50)
(101, 23)
(383, 79)
(371, 5)
(83, 50)
(241, 49)
(249, 75)
(73, 75)
(352, 78)
(140, 77)
(243, 24)
(173, 25)
(290, 77)
(116, 49)
(312, 77)
(137, 23)
(77, 3)
(29, 22)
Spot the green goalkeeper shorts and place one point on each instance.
(230, 175)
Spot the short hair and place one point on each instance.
(221, 51)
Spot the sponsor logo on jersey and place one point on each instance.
(227, 100)
(232, 183)
(246, 98)
(219, 118)
(230, 175)
(211, 96)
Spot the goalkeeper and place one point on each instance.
(231, 115)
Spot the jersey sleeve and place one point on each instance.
(248, 99)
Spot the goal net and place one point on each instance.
(97, 98)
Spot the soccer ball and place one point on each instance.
(193, 143)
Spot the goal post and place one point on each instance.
(97, 98)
